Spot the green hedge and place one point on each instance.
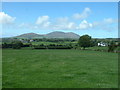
(52, 47)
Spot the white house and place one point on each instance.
(102, 44)
(31, 40)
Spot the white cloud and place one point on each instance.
(46, 24)
(28, 25)
(22, 25)
(63, 24)
(82, 15)
(109, 20)
(104, 22)
(43, 22)
(25, 25)
(60, 23)
(35, 27)
(84, 25)
(42, 19)
(71, 25)
(62, 20)
(6, 19)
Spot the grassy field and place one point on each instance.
(47, 43)
(0, 68)
(98, 48)
(59, 69)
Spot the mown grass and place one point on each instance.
(98, 48)
(48, 43)
(0, 68)
(59, 69)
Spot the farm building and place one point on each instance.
(102, 44)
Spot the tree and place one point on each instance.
(84, 41)
(111, 47)
(17, 44)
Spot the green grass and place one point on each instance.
(47, 43)
(0, 68)
(59, 69)
(98, 48)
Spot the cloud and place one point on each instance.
(46, 24)
(84, 25)
(104, 22)
(109, 20)
(6, 19)
(63, 24)
(82, 15)
(22, 25)
(43, 21)
(71, 25)
(28, 25)
(62, 20)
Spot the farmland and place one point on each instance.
(27, 68)
(0, 68)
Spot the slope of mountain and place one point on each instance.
(55, 34)
(30, 35)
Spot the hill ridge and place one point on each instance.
(55, 34)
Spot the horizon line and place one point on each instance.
(56, 31)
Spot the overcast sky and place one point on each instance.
(93, 18)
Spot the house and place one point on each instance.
(102, 44)
(31, 40)
(24, 41)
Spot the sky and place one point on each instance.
(97, 19)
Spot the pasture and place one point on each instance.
(28, 68)
(0, 68)
(48, 43)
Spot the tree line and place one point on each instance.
(84, 42)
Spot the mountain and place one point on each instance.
(30, 35)
(56, 34)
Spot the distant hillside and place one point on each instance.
(29, 35)
(55, 34)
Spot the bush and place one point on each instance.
(112, 47)
(59, 47)
(42, 46)
(52, 46)
(26, 45)
(6, 45)
(17, 44)
(117, 50)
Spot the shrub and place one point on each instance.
(52, 46)
(17, 44)
(39, 46)
(59, 47)
(112, 47)
(6, 45)
(26, 45)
